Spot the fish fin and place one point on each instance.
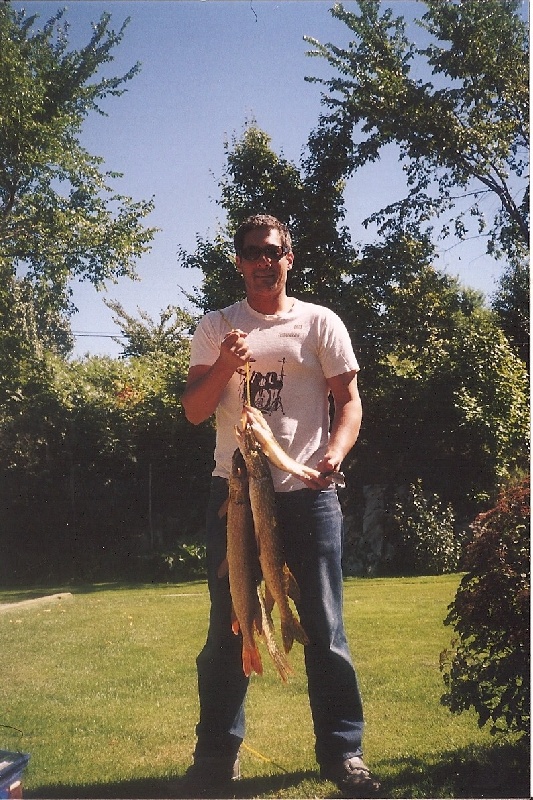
(223, 510)
(235, 624)
(223, 569)
(282, 665)
(291, 631)
(299, 633)
(269, 601)
(251, 660)
(291, 584)
(287, 635)
(258, 625)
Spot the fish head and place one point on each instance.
(248, 444)
(238, 466)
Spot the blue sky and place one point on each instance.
(208, 66)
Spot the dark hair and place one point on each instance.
(261, 221)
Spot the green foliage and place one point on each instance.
(98, 466)
(145, 337)
(310, 199)
(75, 441)
(463, 131)
(446, 398)
(511, 303)
(20, 347)
(487, 668)
(221, 284)
(428, 543)
(60, 216)
(256, 180)
(185, 562)
(457, 108)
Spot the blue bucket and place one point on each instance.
(12, 765)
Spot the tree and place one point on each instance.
(462, 134)
(146, 337)
(309, 199)
(59, 216)
(511, 304)
(427, 543)
(98, 466)
(255, 180)
(488, 668)
(462, 129)
(466, 132)
(446, 399)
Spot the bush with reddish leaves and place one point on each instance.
(487, 668)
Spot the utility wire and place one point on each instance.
(100, 335)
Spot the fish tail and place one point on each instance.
(281, 663)
(251, 660)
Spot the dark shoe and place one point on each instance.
(352, 777)
(211, 776)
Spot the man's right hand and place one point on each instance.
(234, 349)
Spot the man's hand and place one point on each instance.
(234, 349)
(205, 384)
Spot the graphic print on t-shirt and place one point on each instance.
(265, 390)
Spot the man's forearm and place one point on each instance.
(202, 395)
(205, 384)
(345, 428)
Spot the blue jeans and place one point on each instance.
(312, 530)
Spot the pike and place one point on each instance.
(242, 560)
(276, 574)
(277, 455)
(245, 576)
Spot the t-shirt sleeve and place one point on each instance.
(205, 344)
(336, 350)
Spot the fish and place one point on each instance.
(242, 561)
(276, 575)
(277, 455)
(244, 572)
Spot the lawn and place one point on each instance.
(100, 689)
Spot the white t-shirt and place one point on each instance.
(294, 354)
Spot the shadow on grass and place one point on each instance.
(178, 788)
(500, 771)
(17, 594)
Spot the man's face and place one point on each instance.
(263, 272)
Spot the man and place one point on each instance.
(298, 354)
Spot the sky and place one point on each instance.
(208, 67)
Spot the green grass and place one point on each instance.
(102, 691)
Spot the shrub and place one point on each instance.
(487, 668)
(184, 562)
(428, 544)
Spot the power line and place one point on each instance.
(99, 335)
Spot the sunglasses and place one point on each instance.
(271, 251)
